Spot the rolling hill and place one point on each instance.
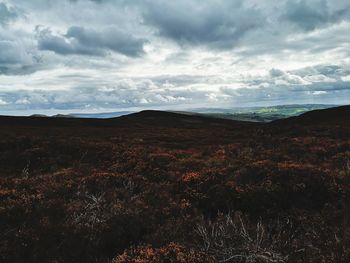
(160, 186)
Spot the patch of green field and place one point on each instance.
(264, 114)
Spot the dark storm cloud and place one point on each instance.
(218, 24)
(82, 41)
(314, 14)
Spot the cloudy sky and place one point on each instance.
(107, 55)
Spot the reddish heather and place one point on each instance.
(165, 187)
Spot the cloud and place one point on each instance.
(96, 1)
(313, 14)
(327, 93)
(318, 84)
(7, 14)
(81, 41)
(280, 77)
(90, 54)
(318, 77)
(14, 56)
(11, 53)
(124, 93)
(217, 24)
(2, 102)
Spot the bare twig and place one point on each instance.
(230, 240)
(25, 170)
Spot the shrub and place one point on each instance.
(173, 252)
(232, 239)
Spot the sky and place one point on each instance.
(111, 55)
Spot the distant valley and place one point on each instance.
(254, 114)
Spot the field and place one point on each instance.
(263, 114)
(165, 187)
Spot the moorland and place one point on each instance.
(166, 187)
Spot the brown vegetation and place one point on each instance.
(161, 187)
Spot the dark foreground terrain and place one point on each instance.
(164, 187)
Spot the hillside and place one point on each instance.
(166, 187)
(336, 115)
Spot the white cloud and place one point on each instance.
(319, 92)
(2, 102)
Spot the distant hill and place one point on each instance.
(251, 114)
(102, 115)
(337, 115)
(151, 118)
(147, 118)
(38, 116)
(63, 116)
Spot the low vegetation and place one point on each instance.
(159, 188)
